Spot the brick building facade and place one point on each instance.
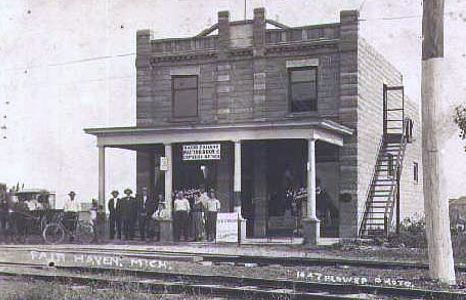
(305, 107)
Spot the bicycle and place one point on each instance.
(55, 232)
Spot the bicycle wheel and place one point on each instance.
(85, 232)
(43, 223)
(53, 233)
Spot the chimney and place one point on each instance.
(259, 31)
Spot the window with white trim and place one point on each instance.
(185, 96)
(303, 89)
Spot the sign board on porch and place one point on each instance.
(201, 152)
(163, 163)
(227, 227)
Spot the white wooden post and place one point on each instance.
(237, 177)
(102, 176)
(311, 224)
(237, 192)
(166, 228)
(169, 179)
(311, 180)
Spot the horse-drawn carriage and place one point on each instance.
(32, 212)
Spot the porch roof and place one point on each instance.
(128, 137)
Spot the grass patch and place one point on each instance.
(38, 290)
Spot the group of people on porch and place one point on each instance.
(194, 215)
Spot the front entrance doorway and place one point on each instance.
(274, 189)
(195, 172)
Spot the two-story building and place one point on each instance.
(255, 108)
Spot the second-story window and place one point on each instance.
(303, 89)
(185, 96)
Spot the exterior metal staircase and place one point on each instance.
(383, 197)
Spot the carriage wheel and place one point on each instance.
(53, 233)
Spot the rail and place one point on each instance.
(399, 169)
(371, 188)
(215, 284)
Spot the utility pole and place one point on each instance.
(245, 7)
(441, 264)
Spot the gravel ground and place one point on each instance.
(385, 277)
(15, 289)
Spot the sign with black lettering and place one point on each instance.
(163, 163)
(201, 152)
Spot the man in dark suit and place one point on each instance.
(128, 213)
(146, 207)
(113, 217)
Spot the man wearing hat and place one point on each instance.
(71, 210)
(114, 217)
(129, 213)
(146, 207)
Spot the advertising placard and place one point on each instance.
(201, 152)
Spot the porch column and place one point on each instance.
(166, 228)
(311, 224)
(237, 193)
(237, 178)
(169, 179)
(102, 176)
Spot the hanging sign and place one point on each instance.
(163, 163)
(201, 152)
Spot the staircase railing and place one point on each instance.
(362, 229)
(395, 190)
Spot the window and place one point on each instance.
(303, 89)
(409, 131)
(185, 96)
(416, 172)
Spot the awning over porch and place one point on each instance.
(316, 129)
(138, 138)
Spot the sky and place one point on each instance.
(68, 65)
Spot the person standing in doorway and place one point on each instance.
(181, 208)
(112, 218)
(212, 208)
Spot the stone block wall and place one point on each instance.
(243, 76)
(412, 199)
(373, 72)
(348, 116)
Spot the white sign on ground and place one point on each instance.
(201, 152)
(227, 227)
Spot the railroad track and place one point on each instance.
(214, 285)
(176, 282)
(246, 259)
(217, 285)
